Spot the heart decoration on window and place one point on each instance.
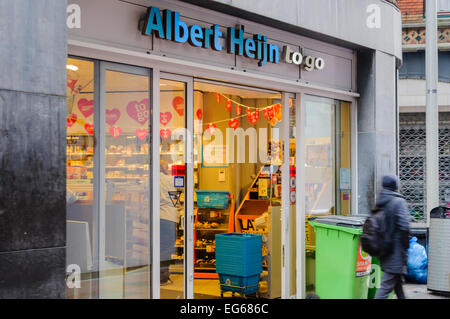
(71, 119)
(112, 116)
(141, 133)
(165, 117)
(115, 131)
(139, 111)
(165, 133)
(89, 128)
(86, 107)
(178, 105)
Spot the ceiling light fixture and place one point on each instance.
(71, 67)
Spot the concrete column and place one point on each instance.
(377, 124)
(32, 148)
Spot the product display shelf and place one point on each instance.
(208, 223)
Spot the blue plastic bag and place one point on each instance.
(417, 262)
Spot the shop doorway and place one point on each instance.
(237, 167)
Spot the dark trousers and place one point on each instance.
(391, 282)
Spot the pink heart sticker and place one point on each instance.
(139, 111)
(112, 116)
(164, 118)
(178, 105)
(141, 133)
(71, 119)
(89, 128)
(86, 107)
(165, 134)
(115, 131)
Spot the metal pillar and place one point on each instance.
(432, 113)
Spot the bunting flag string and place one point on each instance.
(272, 112)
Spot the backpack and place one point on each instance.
(373, 239)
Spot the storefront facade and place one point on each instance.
(168, 101)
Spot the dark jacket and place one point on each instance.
(397, 231)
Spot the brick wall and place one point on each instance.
(412, 10)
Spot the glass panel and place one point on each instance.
(237, 147)
(319, 156)
(82, 236)
(126, 264)
(172, 183)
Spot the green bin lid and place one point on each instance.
(351, 224)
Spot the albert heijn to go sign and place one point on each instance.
(168, 25)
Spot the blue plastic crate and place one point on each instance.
(212, 199)
(242, 285)
(238, 254)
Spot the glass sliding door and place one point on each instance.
(82, 216)
(125, 176)
(324, 150)
(175, 178)
(108, 173)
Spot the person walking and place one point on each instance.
(394, 261)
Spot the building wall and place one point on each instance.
(32, 148)
(377, 125)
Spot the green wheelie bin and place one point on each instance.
(342, 267)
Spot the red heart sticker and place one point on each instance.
(112, 116)
(228, 105)
(165, 134)
(218, 97)
(199, 114)
(164, 118)
(238, 109)
(86, 107)
(115, 131)
(139, 111)
(141, 133)
(234, 123)
(89, 128)
(211, 128)
(71, 119)
(178, 105)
